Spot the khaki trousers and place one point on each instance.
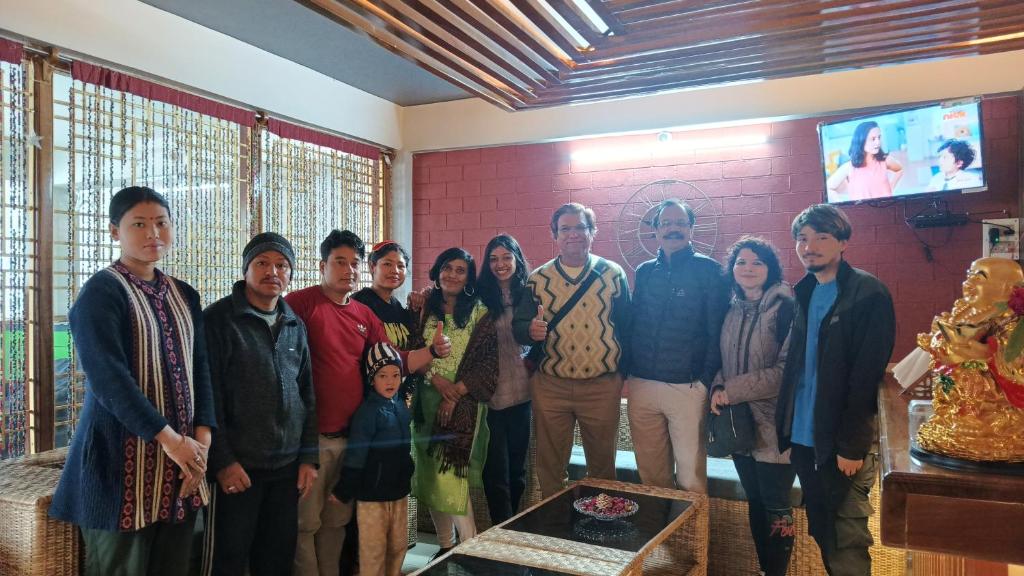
(558, 403)
(322, 521)
(666, 422)
(383, 536)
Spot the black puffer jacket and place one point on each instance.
(854, 344)
(678, 307)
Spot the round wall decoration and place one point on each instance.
(634, 229)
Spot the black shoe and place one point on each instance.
(440, 552)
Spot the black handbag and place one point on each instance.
(732, 431)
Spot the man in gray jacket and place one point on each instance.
(264, 454)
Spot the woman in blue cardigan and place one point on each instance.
(134, 476)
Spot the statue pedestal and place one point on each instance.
(929, 508)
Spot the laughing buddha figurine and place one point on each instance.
(975, 390)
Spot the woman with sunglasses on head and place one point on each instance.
(449, 411)
(754, 341)
(508, 417)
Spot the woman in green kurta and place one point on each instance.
(450, 409)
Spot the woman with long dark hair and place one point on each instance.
(754, 341)
(867, 174)
(134, 476)
(501, 281)
(450, 433)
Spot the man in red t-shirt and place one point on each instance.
(339, 330)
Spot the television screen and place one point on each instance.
(931, 149)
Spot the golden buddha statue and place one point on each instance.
(975, 387)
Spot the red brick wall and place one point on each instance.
(465, 197)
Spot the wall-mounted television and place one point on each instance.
(901, 153)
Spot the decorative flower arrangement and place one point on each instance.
(1016, 342)
(606, 507)
(1004, 370)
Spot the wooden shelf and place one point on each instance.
(925, 507)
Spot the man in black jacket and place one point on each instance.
(264, 454)
(679, 304)
(841, 341)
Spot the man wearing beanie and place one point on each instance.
(340, 329)
(264, 454)
(378, 466)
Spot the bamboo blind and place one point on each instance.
(115, 139)
(17, 258)
(303, 191)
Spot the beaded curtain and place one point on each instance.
(303, 191)
(116, 139)
(17, 257)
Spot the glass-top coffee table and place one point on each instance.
(668, 534)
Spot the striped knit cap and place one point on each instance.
(380, 355)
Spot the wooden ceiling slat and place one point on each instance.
(400, 28)
(508, 70)
(736, 8)
(544, 23)
(349, 17)
(447, 13)
(807, 44)
(575, 16)
(754, 71)
(521, 54)
(566, 9)
(756, 61)
(609, 18)
(505, 30)
(659, 43)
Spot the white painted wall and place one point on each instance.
(138, 36)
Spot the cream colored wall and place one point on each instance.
(138, 36)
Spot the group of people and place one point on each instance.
(309, 407)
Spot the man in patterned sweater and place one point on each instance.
(579, 377)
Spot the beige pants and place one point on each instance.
(666, 422)
(558, 403)
(322, 521)
(452, 529)
(383, 536)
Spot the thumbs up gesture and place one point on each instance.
(441, 346)
(538, 327)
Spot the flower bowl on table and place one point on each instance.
(606, 507)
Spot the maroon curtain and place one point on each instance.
(146, 89)
(11, 51)
(287, 130)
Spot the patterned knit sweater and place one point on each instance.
(588, 341)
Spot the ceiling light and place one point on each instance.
(663, 148)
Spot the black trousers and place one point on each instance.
(504, 472)
(837, 510)
(256, 530)
(770, 511)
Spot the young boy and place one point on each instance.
(378, 466)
